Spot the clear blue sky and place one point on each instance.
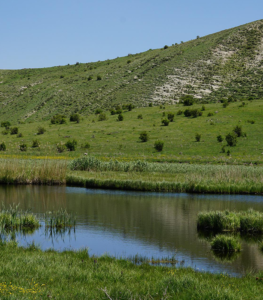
(46, 33)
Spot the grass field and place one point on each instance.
(33, 274)
(112, 139)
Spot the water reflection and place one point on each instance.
(129, 223)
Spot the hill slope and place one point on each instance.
(228, 63)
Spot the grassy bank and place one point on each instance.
(221, 179)
(33, 274)
(137, 176)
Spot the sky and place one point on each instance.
(46, 33)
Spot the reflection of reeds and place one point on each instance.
(225, 257)
(32, 172)
(224, 243)
(139, 259)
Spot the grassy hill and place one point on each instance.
(221, 65)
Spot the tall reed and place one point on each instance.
(15, 219)
(32, 172)
(59, 219)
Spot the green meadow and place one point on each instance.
(112, 139)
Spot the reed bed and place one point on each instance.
(166, 177)
(90, 163)
(15, 219)
(60, 219)
(245, 221)
(225, 243)
(159, 183)
(32, 172)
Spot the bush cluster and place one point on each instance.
(102, 117)
(5, 124)
(193, 112)
(35, 144)
(165, 122)
(14, 130)
(187, 100)
(170, 116)
(158, 145)
(74, 118)
(23, 147)
(71, 145)
(58, 119)
(144, 136)
(2, 146)
(41, 130)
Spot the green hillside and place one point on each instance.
(221, 65)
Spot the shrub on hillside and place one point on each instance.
(85, 146)
(2, 147)
(220, 138)
(165, 122)
(120, 117)
(14, 130)
(140, 116)
(144, 136)
(41, 130)
(90, 78)
(193, 113)
(5, 124)
(58, 119)
(210, 114)
(102, 117)
(35, 144)
(225, 103)
(61, 148)
(170, 116)
(158, 145)
(98, 111)
(198, 137)
(113, 112)
(180, 112)
(74, 118)
(23, 147)
(71, 145)
(238, 131)
(187, 100)
(19, 135)
(128, 107)
(231, 139)
(99, 77)
(5, 132)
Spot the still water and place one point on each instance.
(124, 224)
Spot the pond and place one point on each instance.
(124, 224)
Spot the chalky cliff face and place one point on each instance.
(232, 66)
(224, 64)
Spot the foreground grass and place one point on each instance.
(33, 274)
